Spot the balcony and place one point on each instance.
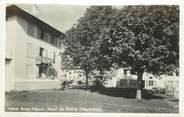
(44, 60)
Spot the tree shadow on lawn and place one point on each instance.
(130, 93)
(125, 92)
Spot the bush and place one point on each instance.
(79, 82)
(159, 90)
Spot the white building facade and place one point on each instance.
(33, 52)
(167, 82)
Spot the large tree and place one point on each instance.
(146, 38)
(83, 42)
(143, 38)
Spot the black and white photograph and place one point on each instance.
(92, 58)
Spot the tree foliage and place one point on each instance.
(149, 38)
(84, 42)
(144, 38)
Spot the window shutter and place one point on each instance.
(38, 51)
(54, 57)
(37, 71)
(45, 53)
(30, 29)
(30, 50)
(154, 83)
(146, 83)
(29, 71)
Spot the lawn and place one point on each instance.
(77, 100)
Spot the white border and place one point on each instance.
(98, 2)
(181, 86)
(87, 2)
(2, 56)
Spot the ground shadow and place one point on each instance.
(123, 92)
(130, 93)
(174, 100)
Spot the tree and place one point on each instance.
(83, 41)
(146, 38)
(143, 38)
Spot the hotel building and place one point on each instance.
(33, 51)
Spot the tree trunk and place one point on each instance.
(139, 85)
(87, 73)
(101, 72)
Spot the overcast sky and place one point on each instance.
(62, 17)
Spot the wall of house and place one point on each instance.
(25, 68)
(170, 83)
(10, 56)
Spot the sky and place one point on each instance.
(61, 17)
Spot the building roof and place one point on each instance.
(13, 10)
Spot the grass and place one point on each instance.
(76, 100)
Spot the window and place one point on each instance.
(49, 37)
(177, 73)
(55, 40)
(58, 43)
(52, 41)
(42, 71)
(30, 50)
(125, 71)
(151, 83)
(46, 36)
(40, 33)
(30, 29)
(41, 52)
(45, 53)
(54, 57)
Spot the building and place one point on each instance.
(167, 82)
(76, 76)
(125, 78)
(33, 51)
